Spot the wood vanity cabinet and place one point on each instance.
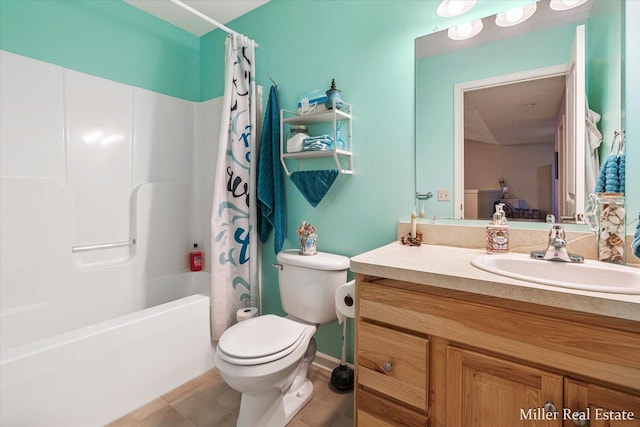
(428, 356)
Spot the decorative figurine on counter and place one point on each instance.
(408, 239)
(333, 94)
(308, 238)
(414, 237)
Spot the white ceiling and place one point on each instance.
(222, 11)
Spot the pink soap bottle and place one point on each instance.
(195, 258)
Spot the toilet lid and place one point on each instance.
(261, 339)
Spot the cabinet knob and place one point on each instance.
(388, 366)
(549, 407)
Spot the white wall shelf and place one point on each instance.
(333, 116)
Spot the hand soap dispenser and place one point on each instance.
(498, 232)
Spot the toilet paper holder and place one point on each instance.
(348, 300)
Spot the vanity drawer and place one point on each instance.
(393, 363)
(374, 411)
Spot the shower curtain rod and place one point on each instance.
(205, 17)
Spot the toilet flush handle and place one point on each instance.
(277, 265)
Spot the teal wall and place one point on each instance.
(106, 38)
(368, 47)
(369, 50)
(604, 67)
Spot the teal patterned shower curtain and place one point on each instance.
(234, 272)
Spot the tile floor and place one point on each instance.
(208, 401)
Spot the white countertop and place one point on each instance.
(450, 268)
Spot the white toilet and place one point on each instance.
(266, 358)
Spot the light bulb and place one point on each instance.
(449, 8)
(514, 15)
(464, 29)
(565, 4)
(455, 7)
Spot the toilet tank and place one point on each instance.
(308, 284)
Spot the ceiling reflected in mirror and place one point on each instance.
(517, 113)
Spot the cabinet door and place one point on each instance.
(393, 363)
(597, 406)
(487, 391)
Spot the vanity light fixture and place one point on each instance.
(516, 15)
(561, 5)
(449, 8)
(466, 30)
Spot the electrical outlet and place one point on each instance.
(443, 196)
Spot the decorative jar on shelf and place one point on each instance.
(296, 137)
(333, 96)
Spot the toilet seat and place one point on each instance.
(260, 340)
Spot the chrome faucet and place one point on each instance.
(557, 248)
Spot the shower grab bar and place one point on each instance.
(102, 246)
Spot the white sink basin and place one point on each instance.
(592, 276)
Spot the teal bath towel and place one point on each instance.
(271, 204)
(314, 184)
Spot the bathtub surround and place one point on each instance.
(40, 208)
(54, 291)
(234, 253)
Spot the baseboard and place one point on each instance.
(324, 361)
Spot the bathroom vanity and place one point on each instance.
(442, 343)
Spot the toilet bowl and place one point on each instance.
(273, 381)
(266, 358)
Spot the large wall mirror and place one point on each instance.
(503, 117)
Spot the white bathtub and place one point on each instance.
(93, 375)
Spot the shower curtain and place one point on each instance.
(234, 260)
